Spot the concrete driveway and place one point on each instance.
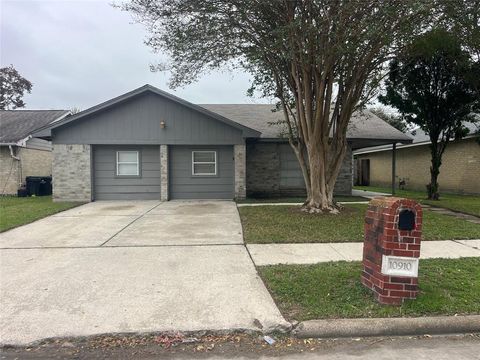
(136, 266)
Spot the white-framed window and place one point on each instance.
(204, 162)
(128, 163)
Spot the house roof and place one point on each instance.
(419, 138)
(248, 132)
(16, 125)
(255, 120)
(364, 125)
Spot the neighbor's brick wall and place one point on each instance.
(72, 178)
(13, 172)
(264, 172)
(9, 172)
(36, 162)
(459, 172)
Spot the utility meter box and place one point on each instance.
(391, 249)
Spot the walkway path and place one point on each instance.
(466, 217)
(271, 254)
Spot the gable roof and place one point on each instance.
(247, 132)
(363, 124)
(16, 125)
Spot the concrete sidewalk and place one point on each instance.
(271, 254)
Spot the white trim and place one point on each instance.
(204, 162)
(128, 162)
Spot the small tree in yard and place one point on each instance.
(12, 88)
(321, 59)
(433, 85)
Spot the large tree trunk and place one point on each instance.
(323, 168)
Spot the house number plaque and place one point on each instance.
(399, 266)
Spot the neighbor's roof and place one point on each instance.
(16, 125)
(419, 138)
(363, 125)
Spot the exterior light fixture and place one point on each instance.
(162, 124)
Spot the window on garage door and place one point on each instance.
(128, 163)
(204, 163)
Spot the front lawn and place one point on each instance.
(333, 290)
(287, 224)
(15, 211)
(469, 204)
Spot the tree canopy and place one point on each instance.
(321, 59)
(12, 88)
(431, 85)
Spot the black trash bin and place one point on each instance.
(39, 185)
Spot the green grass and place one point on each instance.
(296, 199)
(287, 224)
(333, 290)
(16, 211)
(469, 204)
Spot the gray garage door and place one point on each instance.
(126, 172)
(189, 166)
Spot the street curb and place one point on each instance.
(335, 328)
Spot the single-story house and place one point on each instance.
(459, 172)
(149, 144)
(21, 155)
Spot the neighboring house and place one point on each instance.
(20, 154)
(148, 144)
(459, 173)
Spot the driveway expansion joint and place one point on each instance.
(130, 223)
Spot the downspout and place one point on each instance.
(11, 153)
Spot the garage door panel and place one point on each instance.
(143, 181)
(184, 185)
(108, 186)
(132, 189)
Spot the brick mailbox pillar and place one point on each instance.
(391, 248)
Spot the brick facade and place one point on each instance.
(13, 172)
(164, 172)
(383, 238)
(239, 153)
(267, 172)
(72, 177)
(459, 172)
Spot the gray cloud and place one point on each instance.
(80, 53)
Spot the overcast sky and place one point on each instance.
(80, 53)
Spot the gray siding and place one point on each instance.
(183, 185)
(273, 170)
(39, 144)
(137, 121)
(107, 186)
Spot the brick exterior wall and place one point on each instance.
(72, 177)
(264, 172)
(13, 172)
(382, 237)
(164, 172)
(459, 172)
(239, 153)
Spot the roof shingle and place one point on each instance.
(16, 125)
(363, 125)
